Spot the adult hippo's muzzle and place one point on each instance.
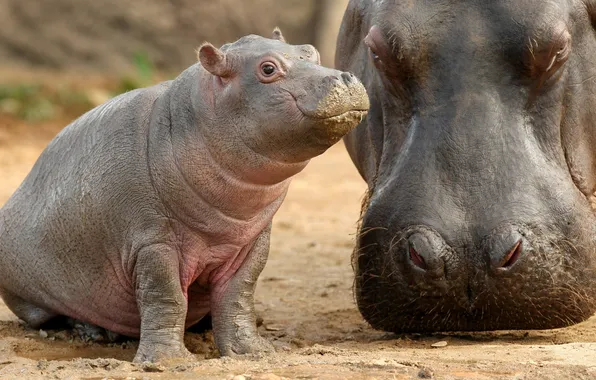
(474, 250)
(510, 247)
(478, 150)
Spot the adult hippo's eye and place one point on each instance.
(559, 57)
(374, 55)
(546, 58)
(268, 69)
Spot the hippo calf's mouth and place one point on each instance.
(348, 116)
(332, 128)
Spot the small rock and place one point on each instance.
(439, 344)
(273, 327)
(268, 376)
(239, 377)
(43, 334)
(152, 367)
(42, 364)
(425, 373)
(181, 368)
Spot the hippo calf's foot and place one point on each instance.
(234, 317)
(88, 332)
(164, 345)
(233, 346)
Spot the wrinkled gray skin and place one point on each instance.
(155, 208)
(479, 153)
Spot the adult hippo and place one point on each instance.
(479, 151)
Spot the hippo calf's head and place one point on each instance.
(479, 151)
(288, 107)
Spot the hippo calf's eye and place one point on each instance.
(268, 69)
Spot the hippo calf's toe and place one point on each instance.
(154, 209)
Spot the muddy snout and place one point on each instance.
(337, 104)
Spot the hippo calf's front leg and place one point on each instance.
(161, 303)
(233, 311)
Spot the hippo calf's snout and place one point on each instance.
(343, 79)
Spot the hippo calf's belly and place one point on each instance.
(103, 295)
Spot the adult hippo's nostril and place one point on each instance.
(511, 256)
(417, 260)
(425, 252)
(505, 249)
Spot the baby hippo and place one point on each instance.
(154, 209)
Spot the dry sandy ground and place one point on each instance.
(305, 299)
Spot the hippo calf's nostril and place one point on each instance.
(330, 79)
(348, 78)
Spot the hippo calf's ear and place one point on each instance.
(277, 35)
(213, 60)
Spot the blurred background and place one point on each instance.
(59, 58)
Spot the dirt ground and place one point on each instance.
(305, 299)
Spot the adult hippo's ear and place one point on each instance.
(591, 6)
(214, 60)
(277, 35)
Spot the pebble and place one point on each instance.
(439, 344)
(152, 367)
(43, 334)
(273, 327)
(425, 373)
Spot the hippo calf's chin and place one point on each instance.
(154, 209)
(479, 154)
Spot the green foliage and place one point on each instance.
(143, 76)
(34, 102)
